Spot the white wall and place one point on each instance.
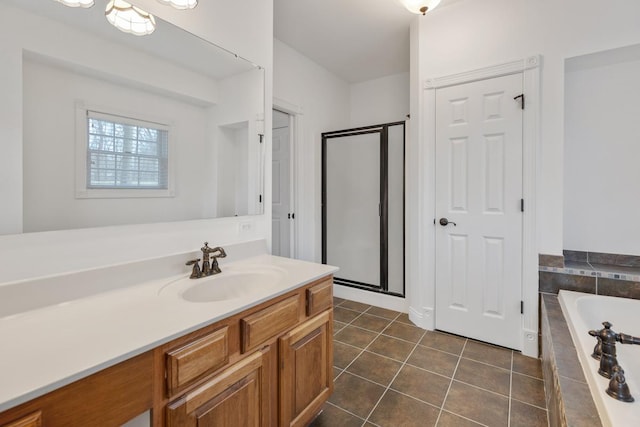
(228, 24)
(239, 116)
(49, 149)
(324, 101)
(601, 154)
(469, 34)
(330, 103)
(382, 100)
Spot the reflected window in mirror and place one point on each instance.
(121, 156)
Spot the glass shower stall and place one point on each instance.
(363, 206)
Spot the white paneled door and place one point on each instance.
(281, 204)
(478, 210)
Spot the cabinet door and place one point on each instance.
(306, 373)
(239, 396)
(31, 420)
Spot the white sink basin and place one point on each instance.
(232, 283)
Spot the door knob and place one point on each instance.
(445, 222)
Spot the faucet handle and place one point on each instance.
(222, 253)
(628, 339)
(195, 271)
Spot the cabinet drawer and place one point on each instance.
(319, 297)
(269, 322)
(32, 420)
(238, 396)
(197, 358)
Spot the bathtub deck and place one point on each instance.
(569, 400)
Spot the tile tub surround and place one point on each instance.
(592, 272)
(620, 260)
(390, 373)
(568, 398)
(551, 260)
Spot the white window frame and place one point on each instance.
(82, 191)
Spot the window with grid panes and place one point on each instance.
(126, 153)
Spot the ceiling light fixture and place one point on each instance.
(77, 3)
(180, 4)
(420, 6)
(129, 19)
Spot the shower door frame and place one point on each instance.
(383, 130)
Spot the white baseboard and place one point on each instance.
(422, 319)
(530, 343)
(377, 299)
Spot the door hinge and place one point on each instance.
(260, 198)
(521, 307)
(522, 100)
(261, 137)
(521, 205)
(293, 216)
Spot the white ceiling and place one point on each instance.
(358, 40)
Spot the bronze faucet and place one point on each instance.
(207, 268)
(609, 367)
(606, 347)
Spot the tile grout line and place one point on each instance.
(361, 350)
(397, 373)
(360, 354)
(463, 417)
(453, 374)
(342, 409)
(405, 362)
(367, 346)
(510, 391)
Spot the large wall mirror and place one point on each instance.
(124, 129)
(601, 151)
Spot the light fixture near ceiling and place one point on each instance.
(77, 3)
(180, 4)
(130, 19)
(420, 6)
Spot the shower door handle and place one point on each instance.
(444, 222)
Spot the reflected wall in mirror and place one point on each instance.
(101, 109)
(601, 152)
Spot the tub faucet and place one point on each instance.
(607, 342)
(606, 347)
(207, 268)
(628, 339)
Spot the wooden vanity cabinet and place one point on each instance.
(266, 366)
(280, 370)
(306, 370)
(239, 396)
(110, 397)
(31, 420)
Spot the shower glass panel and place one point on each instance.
(395, 220)
(352, 208)
(363, 206)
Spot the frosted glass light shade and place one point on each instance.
(420, 6)
(129, 18)
(77, 3)
(180, 4)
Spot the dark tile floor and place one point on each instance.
(388, 372)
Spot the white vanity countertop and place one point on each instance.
(49, 347)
